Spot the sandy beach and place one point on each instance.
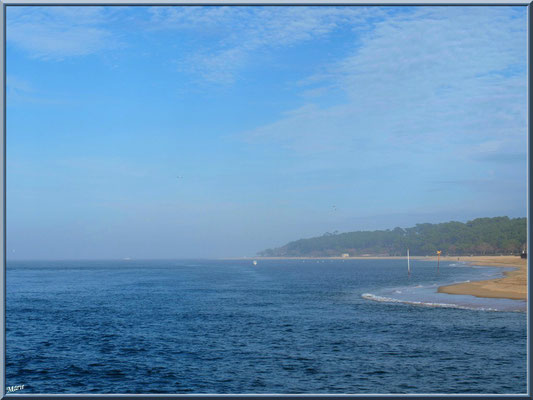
(512, 286)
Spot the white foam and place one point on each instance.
(373, 297)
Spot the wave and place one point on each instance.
(382, 299)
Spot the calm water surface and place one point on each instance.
(353, 326)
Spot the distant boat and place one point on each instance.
(255, 262)
(408, 264)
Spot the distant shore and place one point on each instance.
(512, 286)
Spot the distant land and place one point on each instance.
(481, 236)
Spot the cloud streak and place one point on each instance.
(239, 33)
(55, 33)
(432, 80)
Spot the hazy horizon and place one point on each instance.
(213, 132)
(245, 256)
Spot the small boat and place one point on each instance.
(254, 262)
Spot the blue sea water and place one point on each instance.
(283, 326)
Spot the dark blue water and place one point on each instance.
(278, 327)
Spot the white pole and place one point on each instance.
(408, 264)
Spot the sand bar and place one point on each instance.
(512, 286)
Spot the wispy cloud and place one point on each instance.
(430, 81)
(19, 89)
(239, 33)
(17, 85)
(504, 158)
(23, 91)
(54, 33)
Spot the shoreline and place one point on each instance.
(513, 285)
(429, 258)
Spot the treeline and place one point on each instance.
(481, 236)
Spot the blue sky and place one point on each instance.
(280, 122)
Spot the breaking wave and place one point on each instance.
(383, 299)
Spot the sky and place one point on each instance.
(202, 132)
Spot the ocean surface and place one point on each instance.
(283, 326)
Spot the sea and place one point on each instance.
(279, 327)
